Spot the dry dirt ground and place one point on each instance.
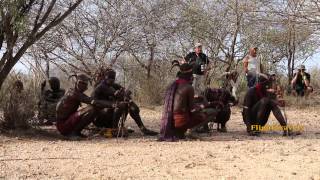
(232, 155)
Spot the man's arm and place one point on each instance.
(306, 79)
(117, 86)
(294, 80)
(261, 68)
(90, 100)
(248, 104)
(190, 97)
(188, 57)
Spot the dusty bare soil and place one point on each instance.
(232, 155)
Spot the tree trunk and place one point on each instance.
(6, 70)
(47, 69)
(150, 62)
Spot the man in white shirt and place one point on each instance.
(252, 66)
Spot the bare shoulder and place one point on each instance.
(186, 86)
(245, 59)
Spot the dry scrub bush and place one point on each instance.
(146, 90)
(18, 107)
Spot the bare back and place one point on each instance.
(183, 100)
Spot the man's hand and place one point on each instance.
(121, 105)
(182, 61)
(198, 108)
(281, 102)
(271, 90)
(119, 93)
(302, 73)
(310, 88)
(233, 103)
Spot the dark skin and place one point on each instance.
(69, 105)
(221, 99)
(186, 105)
(257, 109)
(110, 91)
(55, 93)
(73, 99)
(184, 98)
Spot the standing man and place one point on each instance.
(301, 82)
(252, 67)
(200, 66)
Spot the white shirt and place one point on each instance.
(253, 64)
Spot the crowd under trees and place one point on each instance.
(141, 38)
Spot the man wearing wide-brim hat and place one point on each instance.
(301, 82)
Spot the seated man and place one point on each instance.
(180, 113)
(220, 99)
(70, 120)
(109, 117)
(301, 82)
(49, 99)
(259, 101)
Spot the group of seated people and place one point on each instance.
(104, 108)
(184, 112)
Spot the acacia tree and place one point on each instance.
(24, 22)
(286, 37)
(92, 37)
(156, 23)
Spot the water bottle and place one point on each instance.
(202, 67)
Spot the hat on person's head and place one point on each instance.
(185, 68)
(198, 45)
(83, 78)
(302, 67)
(185, 71)
(110, 74)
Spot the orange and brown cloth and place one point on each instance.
(114, 132)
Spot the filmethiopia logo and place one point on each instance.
(276, 127)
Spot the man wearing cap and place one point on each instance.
(110, 91)
(200, 65)
(70, 120)
(252, 67)
(180, 111)
(301, 82)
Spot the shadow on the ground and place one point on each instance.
(49, 133)
(34, 133)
